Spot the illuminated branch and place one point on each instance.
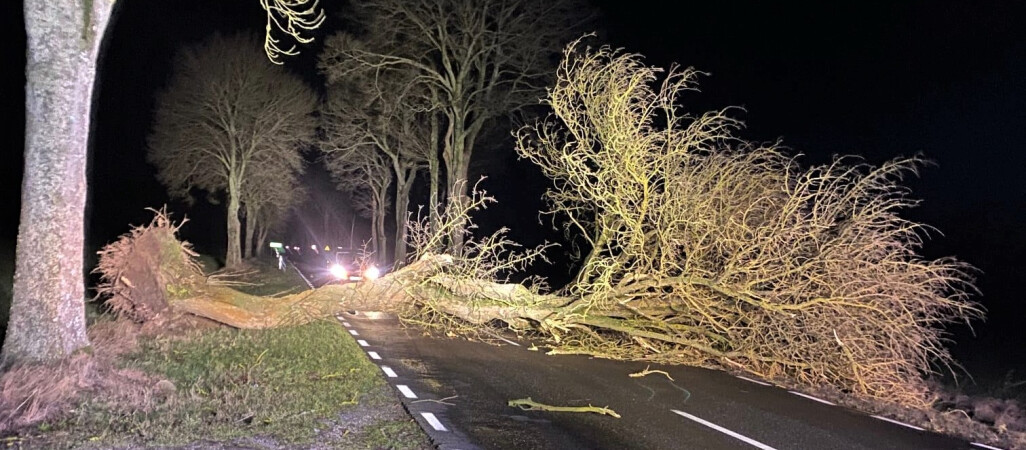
(292, 17)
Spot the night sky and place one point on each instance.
(943, 78)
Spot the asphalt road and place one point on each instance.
(458, 391)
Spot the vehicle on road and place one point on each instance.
(344, 268)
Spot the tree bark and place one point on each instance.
(233, 254)
(47, 318)
(261, 240)
(379, 229)
(249, 236)
(404, 182)
(455, 174)
(434, 173)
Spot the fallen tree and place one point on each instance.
(704, 249)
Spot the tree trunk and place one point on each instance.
(261, 240)
(455, 174)
(434, 173)
(374, 234)
(248, 239)
(379, 230)
(404, 182)
(233, 254)
(47, 316)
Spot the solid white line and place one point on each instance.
(744, 438)
(407, 392)
(354, 332)
(374, 355)
(388, 371)
(899, 423)
(984, 446)
(812, 398)
(754, 381)
(433, 421)
(346, 324)
(362, 343)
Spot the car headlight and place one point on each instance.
(338, 271)
(372, 273)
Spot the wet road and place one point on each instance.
(458, 391)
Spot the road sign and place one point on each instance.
(275, 244)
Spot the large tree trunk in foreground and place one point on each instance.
(47, 313)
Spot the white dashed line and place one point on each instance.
(898, 423)
(753, 381)
(374, 355)
(744, 438)
(354, 332)
(431, 419)
(811, 398)
(388, 371)
(362, 343)
(407, 392)
(346, 324)
(984, 446)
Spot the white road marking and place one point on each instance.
(431, 419)
(897, 422)
(811, 398)
(984, 446)
(388, 371)
(362, 343)
(354, 332)
(744, 438)
(346, 324)
(374, 355)
(407, 392)
(754, 381)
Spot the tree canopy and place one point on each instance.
(228, 115)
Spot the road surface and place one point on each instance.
(458, 391)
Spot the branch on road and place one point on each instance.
(527, 404)
(648, 371)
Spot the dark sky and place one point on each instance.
(878, 79)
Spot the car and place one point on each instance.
(344, 270)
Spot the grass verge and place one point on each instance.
(276, 388)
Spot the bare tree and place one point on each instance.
(47, 317)
(479, 60)
(225, 112)
(270, 195)
(714, 248)
(366, 175)
(383, 111)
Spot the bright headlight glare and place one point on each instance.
(372, 273)
(338, 271)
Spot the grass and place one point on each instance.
(279, 388)
(273, 388)
(268, 280)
